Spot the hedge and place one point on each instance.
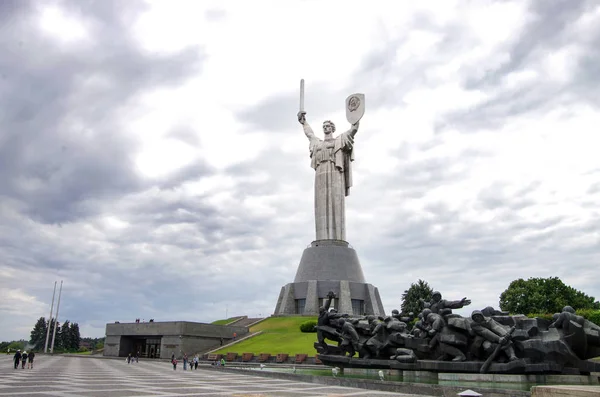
(589, 314)
(308, 326)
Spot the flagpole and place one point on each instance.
(56, 320)
(50, 320)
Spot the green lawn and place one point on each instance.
(280, 335)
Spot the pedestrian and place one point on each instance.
(23, 359)
(129, 358)
(185, 361)
(174, 362)
(137, 357)
(17, 358)
(234, 335)
(196, 362)
(222, 362)
(221, 340)
(30, 358)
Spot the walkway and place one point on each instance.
(77, 377)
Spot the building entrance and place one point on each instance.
(147, 347)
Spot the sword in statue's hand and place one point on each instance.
(302, 113)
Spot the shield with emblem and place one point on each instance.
(355, 107)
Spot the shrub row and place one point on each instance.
(308, 326)
(589, 314)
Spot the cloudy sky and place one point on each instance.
(151, 158)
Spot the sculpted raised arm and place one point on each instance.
(354, 129)
(307, 130)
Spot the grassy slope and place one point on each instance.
(280, 335)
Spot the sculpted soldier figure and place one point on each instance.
(350, 338)
(442, 306)
(440, 334)
(324, 327)
(490, 334)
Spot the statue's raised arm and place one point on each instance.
(307, 129)
(354, 129)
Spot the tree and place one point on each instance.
(74, 337)
(410, 297)
(16, 345)
(38, 334)
(63, 337)
(543, 295)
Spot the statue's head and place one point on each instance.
(436, 296)
(568, 309)
(395, 312)
(328, 127)
(477, 316)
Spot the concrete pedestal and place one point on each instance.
(329, 265)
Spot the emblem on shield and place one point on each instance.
(355, 107)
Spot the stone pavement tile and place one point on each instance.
(109, 393)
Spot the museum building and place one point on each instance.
(162, 339)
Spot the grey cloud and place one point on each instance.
(215, 14)
(544, 32)
(47, 165)
(185, 135)
(278, 113)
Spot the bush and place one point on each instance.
(545, 316)
(308, 326)
(590, 315)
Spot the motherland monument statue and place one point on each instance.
(330, 265)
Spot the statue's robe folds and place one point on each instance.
(331, 160)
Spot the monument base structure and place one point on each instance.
(329, 265)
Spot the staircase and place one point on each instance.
(246, 322)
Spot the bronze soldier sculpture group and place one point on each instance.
(488, 340)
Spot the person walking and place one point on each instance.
(17, 358)
(30, 358)
(196, 362)
(23, 360)
(174, 362)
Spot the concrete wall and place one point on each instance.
(111, 345)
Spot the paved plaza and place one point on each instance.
(95, 377)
